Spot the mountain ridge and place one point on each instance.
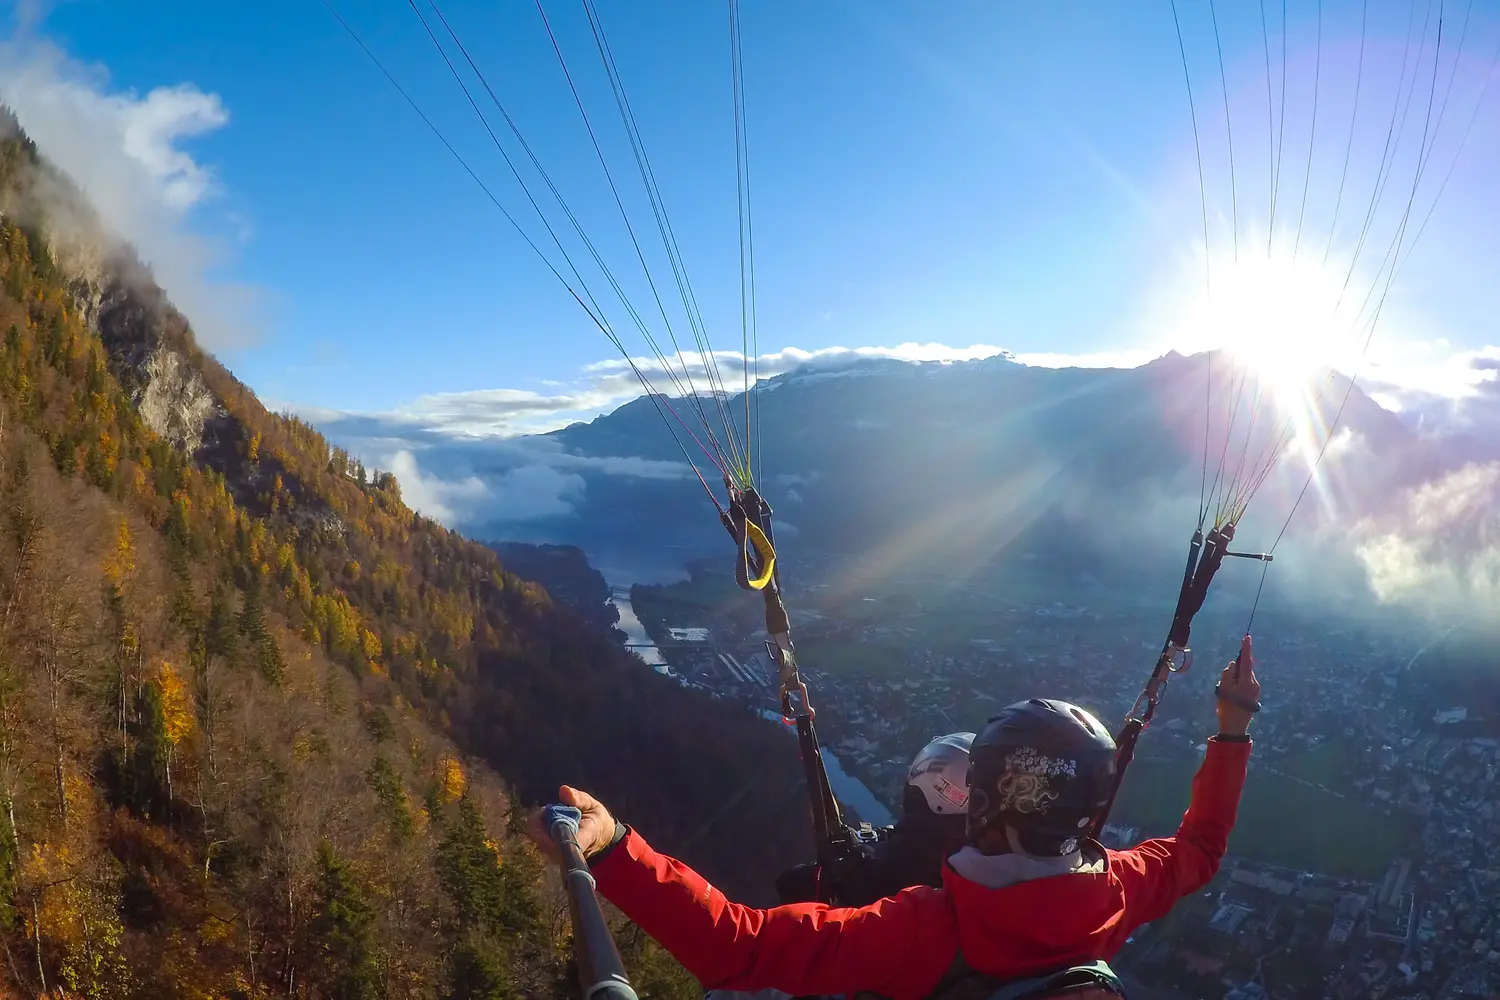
(868, 450)
(254, 601)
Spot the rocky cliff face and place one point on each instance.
(168, 391)
(150, 347)
(179, 391)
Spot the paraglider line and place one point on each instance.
(1312, 137)
(1359, 75)
(734, 456)
(1207, 266)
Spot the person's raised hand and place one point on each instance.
(595, 830)
(1238, 692)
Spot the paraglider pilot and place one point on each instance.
(1027, 894)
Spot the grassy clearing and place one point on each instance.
(1321, 766)
(1281, 821)
(854, 659)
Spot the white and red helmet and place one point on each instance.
(941, 773)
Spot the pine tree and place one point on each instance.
(470, 870)
(184, 613)
(387, 786)
(251, 622)
(343, 929)
(265, 653)
(146, 783)
(220, 629)
(269, 661)
(490, 896)
(378, 724)
(477, 972)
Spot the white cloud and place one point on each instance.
(444, 500)
(150, 128)
(1441, 548)
(1439, 386)
(502, 412)
(453, 493)
(124, 151)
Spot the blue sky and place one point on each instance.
(1002, 175)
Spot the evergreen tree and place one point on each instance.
(265, 653)
(477, 972)
(489, 896)
(219, 631)
(343, 929)
(184, 602)
(251, 621)
(146, 782)
(269, 661)
(378, 724)
(470, 871)
(387, 786)
(8, 859)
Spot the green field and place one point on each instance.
(1321, 766)
(855, 659)
(1281, 821)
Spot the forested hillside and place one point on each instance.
(263, 730)
(565, 571)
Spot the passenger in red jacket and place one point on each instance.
(1028, 895)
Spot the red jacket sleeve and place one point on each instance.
(800, 948)
(1159, 872)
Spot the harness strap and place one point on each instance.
(1095, 974)
(962, 982)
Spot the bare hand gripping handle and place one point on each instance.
(601, 974)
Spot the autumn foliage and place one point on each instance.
(255, 712)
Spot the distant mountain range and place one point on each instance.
(889, 467)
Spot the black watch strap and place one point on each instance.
(620, 831)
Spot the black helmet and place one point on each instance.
(1044, 768)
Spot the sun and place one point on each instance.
(1287, 318)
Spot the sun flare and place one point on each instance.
(1286, 318)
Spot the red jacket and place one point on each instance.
(901, 946)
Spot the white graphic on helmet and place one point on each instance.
(1023, 788)
(1028, 761)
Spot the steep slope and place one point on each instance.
(238, 675)
(565, 571)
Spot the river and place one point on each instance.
(848, 789)
(635, 632)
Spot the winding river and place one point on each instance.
(849, 790)
(635, 632)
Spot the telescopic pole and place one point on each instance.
(601, 974)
